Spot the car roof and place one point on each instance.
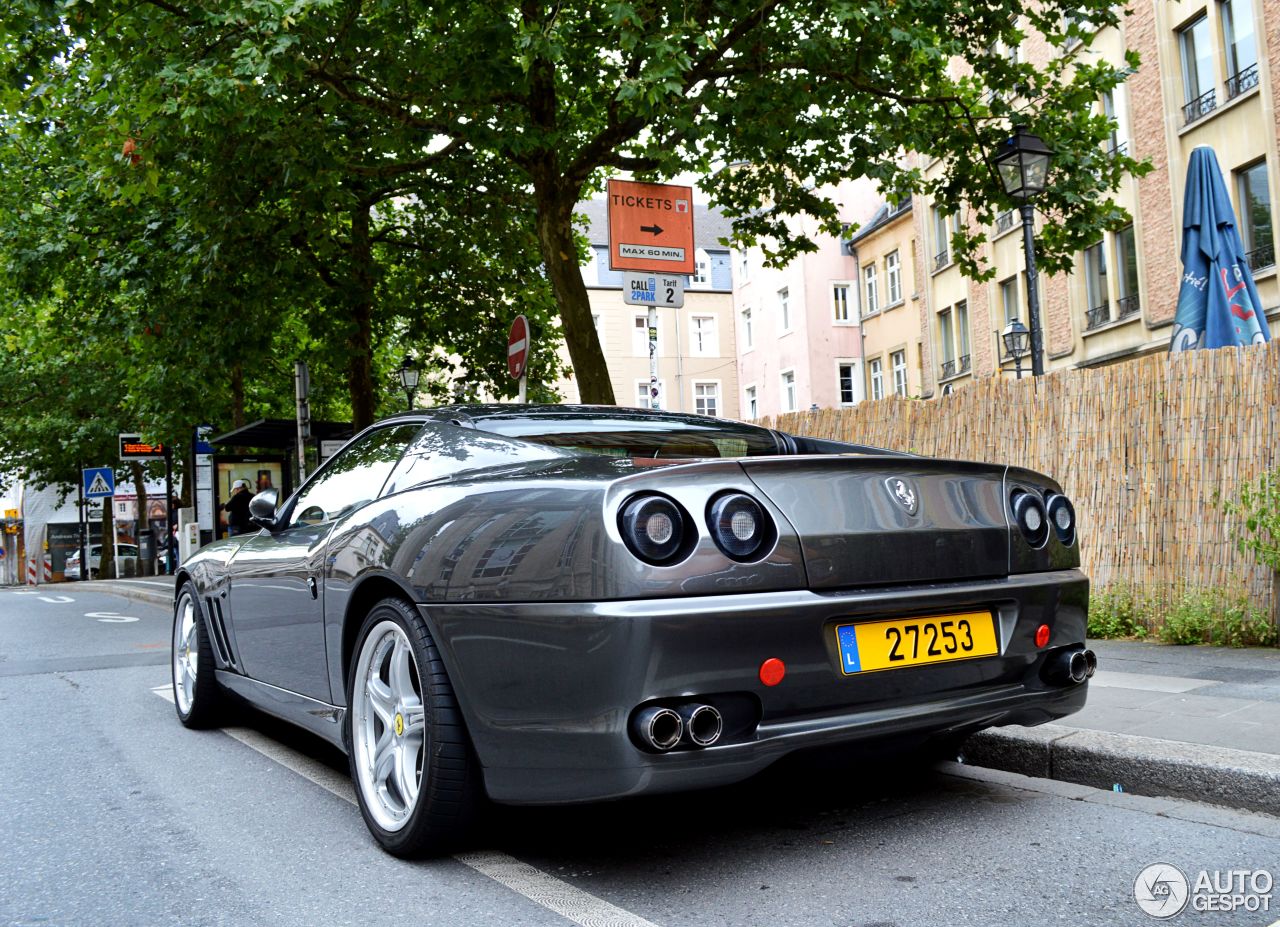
(478, 412)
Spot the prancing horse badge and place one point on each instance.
(903, 493)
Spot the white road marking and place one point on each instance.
(1110, 679)
(56, 599)
(569, 902)
(112, 617)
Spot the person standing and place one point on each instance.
(237, 509)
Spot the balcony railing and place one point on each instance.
(1246, 79)
(1005, 221)
(1117, 148)
(1262, 256)
(964, 363)
(1098, 316)
(948, 370)
(1201, 106)
(1128, 305)
(941, 259)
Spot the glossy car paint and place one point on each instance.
(553, 632)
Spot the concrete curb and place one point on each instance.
(148, 594)
(1142, 765)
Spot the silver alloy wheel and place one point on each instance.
(388, 727)
(186, 651)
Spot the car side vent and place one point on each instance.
(218, 631)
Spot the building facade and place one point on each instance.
(799, 343)
(1207, 77)
(890, 283)
(697, 369)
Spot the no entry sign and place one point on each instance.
(650, 227)
(518, 347)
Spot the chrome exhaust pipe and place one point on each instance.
(1067, 667)
(703, 724)
(1078, 667)
(656, 729)
(1091, 663)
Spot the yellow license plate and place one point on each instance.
(880, 645)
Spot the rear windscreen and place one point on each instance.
(615, 438)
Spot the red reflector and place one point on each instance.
(772, 670)
(1042, 635)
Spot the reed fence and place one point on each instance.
(1146, 450)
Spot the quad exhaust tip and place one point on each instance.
(660, 729)
(702, 724)
(657, 729)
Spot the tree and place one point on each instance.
(528, 107)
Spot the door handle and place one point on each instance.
(311, 584)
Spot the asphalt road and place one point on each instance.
(111, 813)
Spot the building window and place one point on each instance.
(1118, 140)
(595, 323)
(1197, 71)
(1127, 265)
(847, 374)
(702, 336)
(1009, 299)
(744, 265)
(941, 240)
(706, 398)
(748, 341)
(962, 334)
(946, 345)
(640, 335)
(788, 391)
(1255, 219)
(1097, 302)
(753, 407)
(893, 277)
(784, 308)
(870, 288)
(898, 359)
(1241, 44)
(642, 394)
(701, 268)
(877, 378)
(840, 301)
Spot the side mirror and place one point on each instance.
(262, 509)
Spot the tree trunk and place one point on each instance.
(237, 395)
(140, 488)
(107, 544)
(560, 254)
(360, 342)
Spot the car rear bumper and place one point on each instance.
(547, 689)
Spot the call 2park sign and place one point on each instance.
(650, 227)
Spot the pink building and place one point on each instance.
(798, 338)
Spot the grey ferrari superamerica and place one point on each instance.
(568, 603)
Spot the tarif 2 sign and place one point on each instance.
(653, 290)
(650, 227)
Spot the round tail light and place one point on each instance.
(1029, 513)
(653, 528)
(1062, 515)
(739, 526)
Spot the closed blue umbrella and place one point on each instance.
(1218, 304)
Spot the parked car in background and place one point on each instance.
(550, 604)
(124, 554)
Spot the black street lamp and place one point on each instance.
(408, 374)
(1023, 165)
(1015, 337)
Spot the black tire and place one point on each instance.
(206, 702)
(450, 796)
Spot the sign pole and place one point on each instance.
(84, 554)
(524, 388)
(169, 513)
(653, 358)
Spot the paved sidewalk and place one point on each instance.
(1196, 722)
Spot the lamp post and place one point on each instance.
(1023, 165)
(1015, 343)
(408, 373)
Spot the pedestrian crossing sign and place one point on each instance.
(99, 482)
